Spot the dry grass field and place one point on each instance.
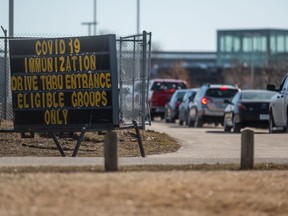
(174, 192)
(143, 190)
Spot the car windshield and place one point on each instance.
(221, 93)
(167, 86)
(257, 95)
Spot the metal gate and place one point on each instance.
(134, 67)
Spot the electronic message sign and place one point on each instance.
(64, 83)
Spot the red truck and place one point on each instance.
(160, 92)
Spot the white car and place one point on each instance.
(278, 109)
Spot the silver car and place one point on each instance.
(184, 106)
(209, 104)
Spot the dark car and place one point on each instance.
(184, 106)
(172, 107)
(248, 108)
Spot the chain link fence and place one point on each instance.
(133, 54)
(6, 111)
(134, 62)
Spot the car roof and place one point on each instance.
(255, 90)
(193, 89)
(181, 90)
(168, 80)
(221, 85)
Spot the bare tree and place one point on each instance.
(176, 71)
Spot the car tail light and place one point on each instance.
(177, 103)
(223, 88)
(241, 106)
(204, 101)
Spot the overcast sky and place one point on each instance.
(182, 25)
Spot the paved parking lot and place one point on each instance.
(211, 143)
(207, 145)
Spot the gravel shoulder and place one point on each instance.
(42, 145)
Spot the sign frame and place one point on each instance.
(100, 113)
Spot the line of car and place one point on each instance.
(229, 106)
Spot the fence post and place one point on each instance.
(144, 69)
(5, 73)
(111, 151)
(247, 149)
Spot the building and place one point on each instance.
(200, 66)
(250, 58)
(252, 47)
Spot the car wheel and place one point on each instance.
(152, 117)
(271, 123)
(190, 122)
(181, 122)
(186, 120)
(226, 127)
(198, 121)
(236, 126)
(285, 129)
(166, 116)
(172, 120)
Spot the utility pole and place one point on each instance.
(89, 24)
(252, 61)
(94, 23)
(138, 16)
(11, 18)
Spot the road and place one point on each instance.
(207, 145)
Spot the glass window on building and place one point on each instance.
(286, 43)
(228, 43)
(236, 44)
(259, 43)
(280, 44)
(247, 44)
(263, 44)
(273, 44)
(222, 44)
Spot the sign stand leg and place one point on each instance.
(78, 143)
(140, 143)
(58, 145)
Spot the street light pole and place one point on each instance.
(89, 24)
(94, 23)
(11, 18)
(95, 3)
(252, 61)
(138, 16)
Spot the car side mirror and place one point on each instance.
(271, 87)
